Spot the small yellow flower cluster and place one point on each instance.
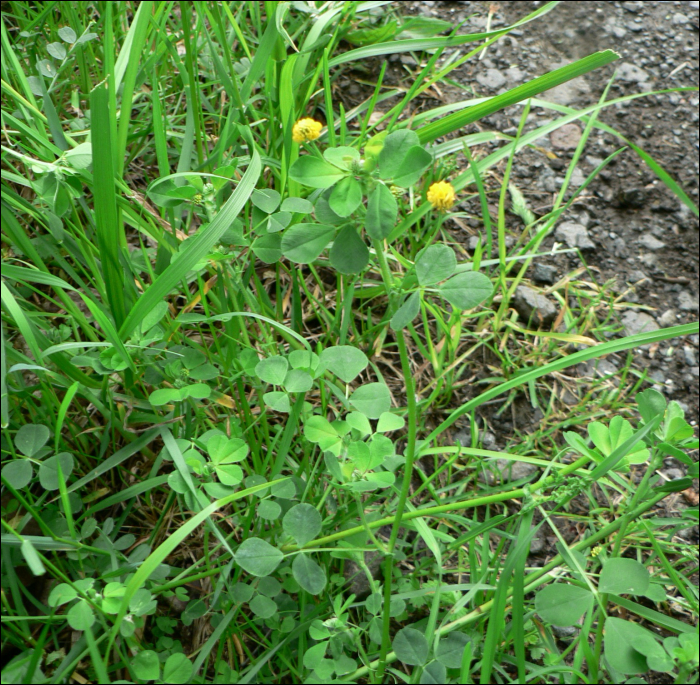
(306, 129)
(441, 195)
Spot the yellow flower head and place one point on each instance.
(306, 129)
(441, 195)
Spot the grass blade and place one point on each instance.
(196, 250)
(527, 375)
(110, 231)
(453, 122)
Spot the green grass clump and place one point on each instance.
(236, 333)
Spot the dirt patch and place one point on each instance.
(632, 231)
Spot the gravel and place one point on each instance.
(651, 243)
(533, 306)
(574, 235)
(638, 322)
(544, 273)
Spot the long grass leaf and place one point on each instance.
(110, 232)
(196, 250)
(610, 347)
(166, 548)
(458, 120)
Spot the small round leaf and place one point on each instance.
(344, 361)
(410, 646)
(623, 576)
(436, 263)
(177, 669)
(80, 617)
(562, 604)
(272, 370)
(263, 607)
(18, 473)
(258, 557)
(309, 574)
(302, 522)
(372, 399)
(466, 290)
(450, 649)
(31, 438)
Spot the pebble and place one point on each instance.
(658, 376)
(567, 93)
(577, 178)
(647, 240)
(538, 543)
(514, 74)
(544, 273)
(636, 322)
(631, 72)
(636, 275)
(600, 367)
(565, 631)
(574, 235)
(633, 198)
(668, 318)
(533, 306)
(488, 440)
(619, 248)
(679, 18)
(474, 241)
(508, 470)
(493, 79)
(673, 474)
(689, 356)
(464, 437)
(687, 302)
(566, 137)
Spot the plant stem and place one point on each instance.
(408, 468)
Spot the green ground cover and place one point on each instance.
(234, 330)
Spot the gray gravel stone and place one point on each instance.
(689, 356)
(488, 440)
(668, 318)
(357, 578)
(619, 248)
(533, 306)
(651, 243)
(574, 235)
(567, 93)
(636, 276)
(538, 542)
(514, 74)
(565, 631)
(544, 273)
(491, 79)
(464, 437)
(508, 470)
(636, 322)
(687, 302)
(601, 368)
(673, 474)
(631, 72)
(658, 376)
(566, 137)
